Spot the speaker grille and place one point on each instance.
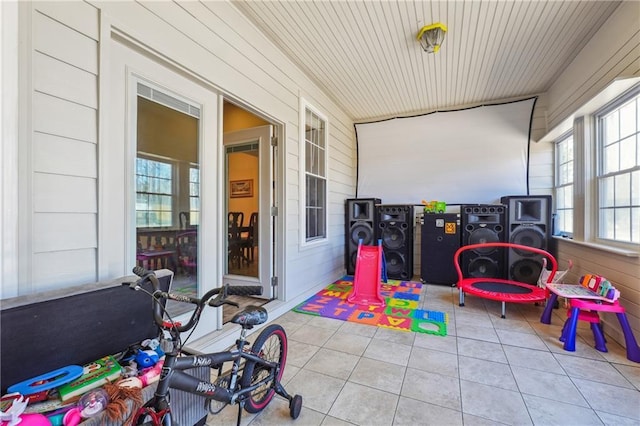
(483, 223)
(395, 229)
(529, 224)
(361, 224)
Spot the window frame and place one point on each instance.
(600, 175)
(172, 212)
(562, 186)
(194, 212)
(305, 240)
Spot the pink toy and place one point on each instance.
(149, 376)
(367, 278)
(34, 420)
(72, 418)
(587, 310)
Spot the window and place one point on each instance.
(564, 185)
(618, 172)
(194, 196)
(154, 192)
(315, 175)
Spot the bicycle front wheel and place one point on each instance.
(271, 345)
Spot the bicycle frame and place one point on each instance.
(231, 387)
(174, 377)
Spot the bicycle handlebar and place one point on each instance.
(221, 294)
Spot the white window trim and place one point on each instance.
(610, 106)
(556, 184)
(304, 105)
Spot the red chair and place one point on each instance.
(501, 289)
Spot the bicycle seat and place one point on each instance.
(250, 316)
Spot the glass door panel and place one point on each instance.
(248, 201)
(168, 188)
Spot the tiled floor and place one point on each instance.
(486, 371)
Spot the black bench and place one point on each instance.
(74, 326)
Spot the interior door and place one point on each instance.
(249, 185)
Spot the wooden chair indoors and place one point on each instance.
(236, 255)
(187, 251)
(184, 220)
(249, 237)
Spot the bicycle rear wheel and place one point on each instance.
(271, 345)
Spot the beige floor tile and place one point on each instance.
(473, 319)
(475, 332)
(318, 391)
(411, 412)
(614, 420)
(379, 374)
(537, 360)
(471, 420)
(312, 334)
(510, 324)
(611, 399)
(362, 405)
(382, 350)
(632, 373)
(548, 385)
(434, 361)
(523, 340)
(332, 421)
(491, 351)
(395, 336)
(277, 414)
(358, 329)
(487, 372)
(597, 371)
(332, 363)
(494, 403)
(322, 322)
(299, 353)
(546, 411)
(447, 343)
(433, 388)
(350, 343)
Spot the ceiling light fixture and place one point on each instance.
(432, 36)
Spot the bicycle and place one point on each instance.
(254, 376)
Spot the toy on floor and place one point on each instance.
(500, 289)
(368, 276)
(557, 278)
(47, 381)
(594, 294)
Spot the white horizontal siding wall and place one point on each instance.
(614, 52)
(215, 44)
(60, 177)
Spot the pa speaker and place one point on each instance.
(395, 229)
(440, 241)
(361, 224)
(529, 224)
(483, 223)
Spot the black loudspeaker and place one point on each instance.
(395, 229)
(483, 223)
(440, 240)
(361, 224)
(529, 224)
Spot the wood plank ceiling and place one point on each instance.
(365, 55)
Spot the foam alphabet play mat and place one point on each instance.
(400, 311)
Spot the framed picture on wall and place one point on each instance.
(241, 188)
